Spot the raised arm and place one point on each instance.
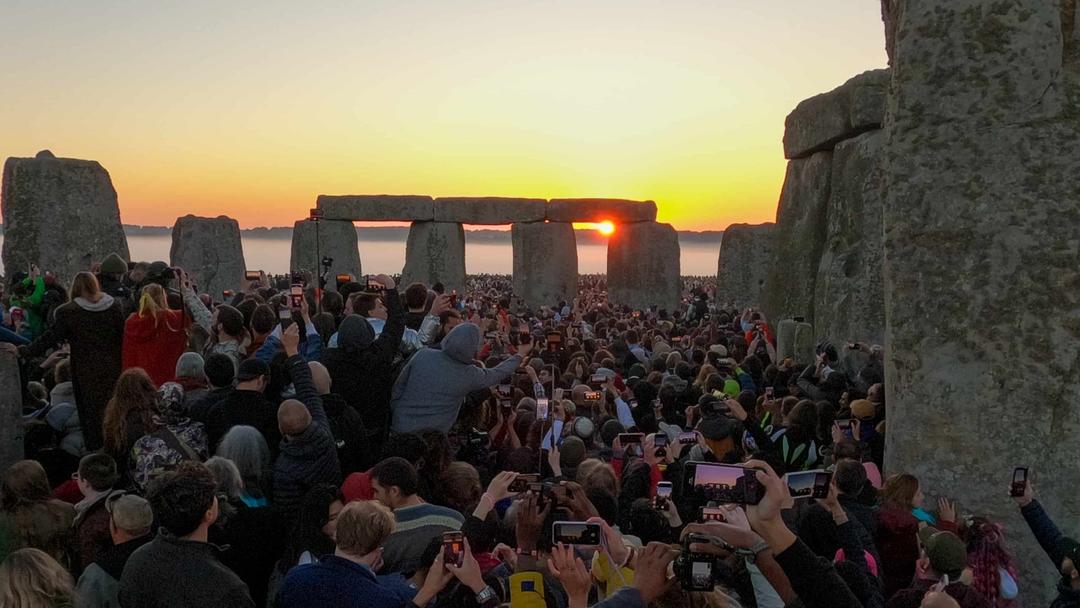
(199, 314)
(389, 341)
(300, 374)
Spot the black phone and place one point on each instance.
(845, 426)
(1019, 482)
(522, 481)
(454, 547)
(660, 440)
(576, 533)
(505, 390)
(296, 296)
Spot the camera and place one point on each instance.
(699, 571)
(327, 261)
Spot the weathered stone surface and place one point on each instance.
(600, 209)
(59, 213)
(209, 249)
(11, 424)
(849, 301)
(377, 207)
(435, 253)
(785, 339)
(799, 238)
(817, 124)
(489, 210)
(804, 343)
(545, 263)
(643, 266)
(745, 255)
(336, 239)
(982, 208)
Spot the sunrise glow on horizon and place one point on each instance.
(252, 109)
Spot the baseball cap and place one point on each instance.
(717, 427)
(946, 552)
(863, 409)
(719, 349)
(131, 513)
(251, 369)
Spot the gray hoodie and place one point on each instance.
(431, 387)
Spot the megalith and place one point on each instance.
(435, 253)
(377, 207)
(59, 213)
(545, 263)
(799, 238)
(743, 266)
(209, 249)
(313, 241)
(981, 216)
(615, 210)
(489, 210)
(849, 302)
(643, 266)
(11, 423)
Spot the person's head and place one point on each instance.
(802, 422)
(62, 372)
(595, 474)
(97, 473)
(316, 525)
(227, 476)
(220, 370)
(228, 323)
(902, 491)
(362, 528)
(459, 487)
(152, 301)
(130, 517)
(252, 375)
(134, 398)
(1070, 564)
(85, 285)
(293, 418)
(191, 365)
(263, 319)
(246, 447)
(320, 377)
(946, 554)
(394, 481)
(876, 393)
(333, 303)
(850, 476)
(369, 305)
(138, 272)
(25, 483)
(449, 319)
(416, 297)
(987, 554)
(184, 500)
(31, 578)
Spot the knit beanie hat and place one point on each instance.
(863, 409)
(113, 264)
(610, 430)
(189, 365)
(571, 452)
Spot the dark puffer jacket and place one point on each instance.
(309, 458)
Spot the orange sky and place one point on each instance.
(254, 108)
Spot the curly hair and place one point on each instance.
(987, 556)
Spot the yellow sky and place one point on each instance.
(253, 109)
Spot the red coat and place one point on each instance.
(155, 344)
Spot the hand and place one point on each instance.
(691, 413)
(386, 281)
(832, 504)
(305, 311)
(572, 496)
(736, 409)
(506, 554)
(530, 371)
(525, 348)
(290, 340)
(938, 599)
(499, 488)
(553, 459)
(469, 572)
(946, 510)
(836, 433)
(776, 494)
(572, 573)
(185, 280)
(650, 575)
(648, 447)
(440, 305)
(530, 521)
(1028, 496)
(437, 578)
(734, 535)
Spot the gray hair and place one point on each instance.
(227, 476)
(247, 449)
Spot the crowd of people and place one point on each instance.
(394, 446)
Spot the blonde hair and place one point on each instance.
(152, 303)
(85, 285)
(363, 526)
(29, 578)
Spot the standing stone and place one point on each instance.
(849, 301)
(545, 263)
(11, 424)
(209, 249)
(785, 339)
(336, 239)
(435, 253)
(745, 254)
(982, 250)
(804, 343)
(59, 213)
(799, 238)
(643, 266)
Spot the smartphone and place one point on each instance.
(491, 335)
(524, 337)
(522, 481)
(296, 296)
(598, 379)
(808, 484)
(343, 278)
(453, 543)
(251, 275)
(373, 284)
(769, 393)
(542, 409)
(637, 314)
(688, 437)
(285, 317)
(628, 438)
(558, 393)
(712, 514)
(226, 293)
(576, 533)
(721, 483)
(660, 440)
(505, 404)
(505, 390)
(453, 299)
(663, 495)
(1019, 482)
(594, 396)
(845, 426)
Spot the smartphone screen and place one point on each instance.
(1019, 482)
(453, 547)
(808, 484)
(541, 409)
(285, 317)
(505, 390)
(576, 533)
(296, 296)
(712, 514)
(723, 483)
(558, 394)
(660, 440)
(598, 379)
(593, 396)
(522, 481)
(688, 437)
(663, 489)
(768, 392)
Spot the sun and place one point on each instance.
(605, 228)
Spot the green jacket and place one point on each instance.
(31, 305)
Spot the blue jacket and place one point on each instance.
(1049, 537)
(335, 581)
